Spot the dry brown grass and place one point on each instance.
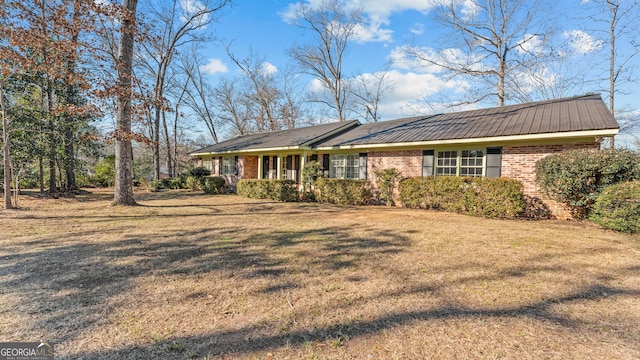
(211, 277)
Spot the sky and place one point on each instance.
(391, 25)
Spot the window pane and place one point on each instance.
(472, 163)
(447, 163)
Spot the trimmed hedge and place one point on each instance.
(618, 207)
(279, 190)
(577, 177)
(488, 197)
(342, 191)
(212, 185)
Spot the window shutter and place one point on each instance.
(235, 160)
(325, 165)
(314, 157)
(494, 162)
(220, 165)
(265, 167)
(362, 174)
(427, 162)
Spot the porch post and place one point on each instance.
(279, 168)
(260, 166)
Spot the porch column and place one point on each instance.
(303, 162)
(260, 166)
(279, 167)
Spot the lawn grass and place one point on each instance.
(191, 276)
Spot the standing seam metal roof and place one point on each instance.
(580, 113)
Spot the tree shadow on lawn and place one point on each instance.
(241, 342)
(68, 290)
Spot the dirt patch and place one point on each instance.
(189, 276)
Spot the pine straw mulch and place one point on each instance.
(189, 276)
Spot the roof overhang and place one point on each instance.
(511, 138)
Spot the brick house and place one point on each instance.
(496, 142)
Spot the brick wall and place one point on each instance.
(408, 162)
(518, 162)
(248, 167)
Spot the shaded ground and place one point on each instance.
(189, 276)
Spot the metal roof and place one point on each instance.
(580, 113)
(284, 139)
(568, 115)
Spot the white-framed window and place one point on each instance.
(207, 163)
(469, 162)
(229, 165)
(472, 163)
(447, 164)
(345, 166)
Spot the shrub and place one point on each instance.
(387, 179)
(279, 190)
(342, 191)
(577, 177)
(488, 197)
(212, 185)
(192, 183)
(199, 172)
(618, 207)
(105, 172)
(155, 185)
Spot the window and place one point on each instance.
(462, 163)
(471, 163)
(447, 163)
(229, 165)
(345, 166)
(207, 163)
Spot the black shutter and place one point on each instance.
(314, 157)
(325, 165)
(220, 165)
(236, 165)
(427, 162)
(265, 167)
(362, 168)
(494, 162)
(296, 168)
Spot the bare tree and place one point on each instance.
(332, 27)
(199, 93)
(234, 107)
(5, 145)
(170, 29)
(367, 91)
(124, 175)
(498, 39)
(621, 20)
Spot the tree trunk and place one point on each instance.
(168, 141)
(5, 152)
(156, 145)
(612, 62)
(124, 176)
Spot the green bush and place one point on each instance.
(577, 177)
(155, 185)
(193, 183)
(618, 207)
(488, 197)
(387, 179)
(342, 191)
(105, 172)
(199, 172)
(212, 185)
(279, 190)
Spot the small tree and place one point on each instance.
(387, 179)
(310, 172)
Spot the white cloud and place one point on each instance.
(191, 8)
(582, 42)
(268, 68)
(372, 33)
(417, 28)
(531, 44)
(214, 66)
(414, 58)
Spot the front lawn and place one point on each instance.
(192, 276)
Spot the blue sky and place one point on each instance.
(392, 24)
